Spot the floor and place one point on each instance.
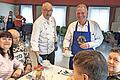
(63, 61)
(60, 60)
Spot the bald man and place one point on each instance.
(44, 34)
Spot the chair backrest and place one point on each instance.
(27, 28)
(58, 29)
(63, 30)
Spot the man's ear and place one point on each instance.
(85, 76)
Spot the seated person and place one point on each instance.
(18, 22)
(114, 64)
(7, 60)
(89, 65)
(20, 51)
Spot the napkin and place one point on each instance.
(46, 63)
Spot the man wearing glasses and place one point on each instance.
(44, 34)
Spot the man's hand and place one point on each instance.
(28, 68)
(70, 78)
(85, 46)
(36, 53)
(17, 73)
(64, 49)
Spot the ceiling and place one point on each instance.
(67, 2)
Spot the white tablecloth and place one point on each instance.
(52, 73)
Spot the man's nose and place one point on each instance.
(111, 61)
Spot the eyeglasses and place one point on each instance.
(48, 10)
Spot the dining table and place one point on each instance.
(52, 72)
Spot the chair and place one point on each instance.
(62, 32)
(26, 30)
(58, 30)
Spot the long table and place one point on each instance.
(52, 72)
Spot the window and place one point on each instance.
(26, 11)
(101, 16)
(59, 13)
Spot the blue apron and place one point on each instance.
(79, 37)
(9, 23)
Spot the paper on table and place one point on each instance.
(67, 53)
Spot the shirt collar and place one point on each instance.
(86, 24)
(45, 19)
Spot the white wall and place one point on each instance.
(117, 15)
(5, 8)
(116, 24)
(38, 11)
(72, 15)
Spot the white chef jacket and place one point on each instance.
(44, 35)
(96, 34)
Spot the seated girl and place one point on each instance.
(7, 60)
